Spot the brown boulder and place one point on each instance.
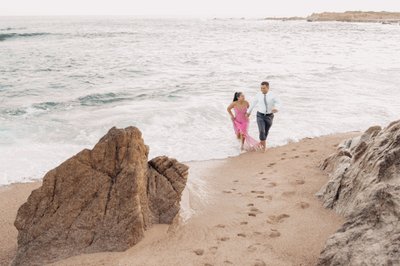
(99, 200)
(364, 186)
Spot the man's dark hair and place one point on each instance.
(266, 83)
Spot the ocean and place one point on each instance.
(64, 81)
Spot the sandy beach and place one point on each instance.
(253, 209)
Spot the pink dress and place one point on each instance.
(241, 124)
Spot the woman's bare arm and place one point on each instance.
(229, 109)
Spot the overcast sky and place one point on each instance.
(190, 8)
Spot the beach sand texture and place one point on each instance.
(253, 209)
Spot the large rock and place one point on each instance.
(364, 186)
(99, 200)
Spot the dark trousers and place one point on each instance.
(264, 122)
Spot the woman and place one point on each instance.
(241, 122)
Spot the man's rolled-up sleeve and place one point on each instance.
(277, 103)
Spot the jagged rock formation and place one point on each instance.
(99, 200)
(364, 186)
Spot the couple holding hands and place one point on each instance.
(266, 104)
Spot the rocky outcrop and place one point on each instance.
(356, 16)
(99, 200)
(364, 186)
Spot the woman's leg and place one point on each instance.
(243, 138)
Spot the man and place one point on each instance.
(267, 104)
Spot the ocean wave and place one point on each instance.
(46, 105)
(85, 77)
(33, 109)
(10, 28)
(5, 36)
(89, 35)
(160, 95)
(101, 98)
(14, 111)
(103, 34)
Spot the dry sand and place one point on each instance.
(254, 209)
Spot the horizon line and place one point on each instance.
(187, 16)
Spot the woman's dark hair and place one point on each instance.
(266, 83)
(236, 96)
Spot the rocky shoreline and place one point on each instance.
(356, 16)
(348, 16)
(364, 187)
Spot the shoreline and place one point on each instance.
(268, 205)
(35, 180)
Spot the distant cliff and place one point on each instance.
(357, 16)
(348, 16)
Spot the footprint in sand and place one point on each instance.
(259, 263)
(297, 156)
(260, 173)
(213, 250)
(288, 193)
(224, 238)
(228, 262)
(208, 264)
(303, 205)
(243, 223)
(260, 196)
(294, 150)
(250, 204)
(254, 209)
(268, 197)
(272, 184)
(264, 178)
(220, 226)
(252, 214)
(284, 153)
(283, 158)
(312, 150)
(271, 164)
(227, 191)
(275, 219)
(199, 252)
(253, 247)
(241, 234)
(300, 182)
(235, 181)
(274, 233)
(257, 192)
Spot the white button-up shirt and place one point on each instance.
(272, 102)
